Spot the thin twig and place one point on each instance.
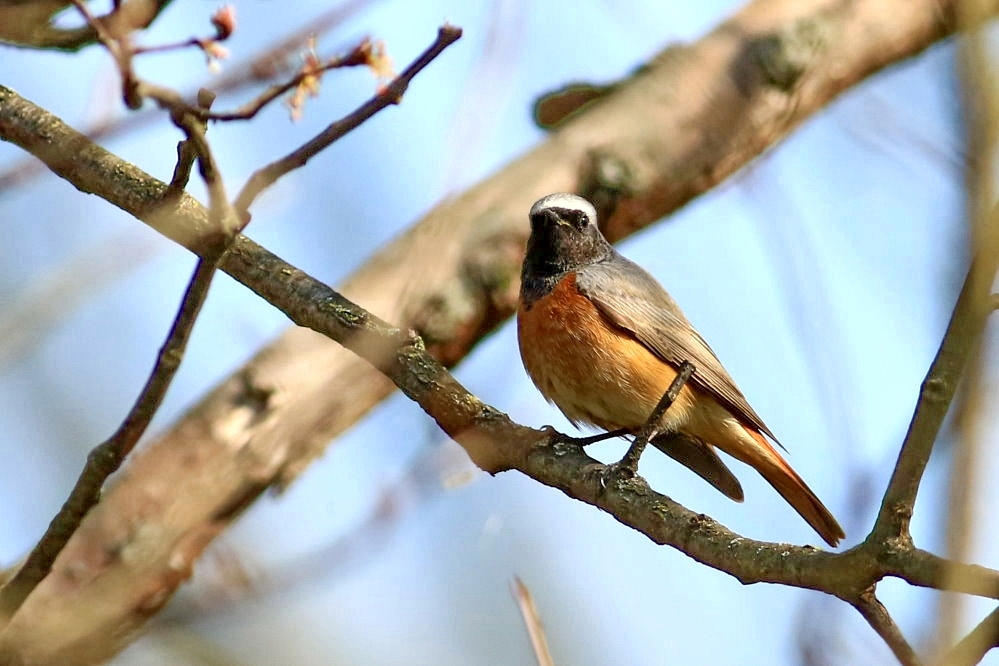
(880, 620)
(265, 65)
(103, 36)
(120, 49)
(173, 46)
(981, 104)
(222, 214)
(498, 444)
(107, 457)
(392, 94)
(357, 57)
(935, 396)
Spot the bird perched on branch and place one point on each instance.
(603, 340)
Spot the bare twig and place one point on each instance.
(392, 94)
(107, 457)
(221, 213)
(357, 56)
(266, 64)
(868, 605)
(495, 444)
(271, 60)
(187, 118)
(224, 20)
(120, 48)
(981, 109)
(935, 396)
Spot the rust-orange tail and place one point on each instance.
(778, 473)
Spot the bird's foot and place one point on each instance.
(562, 438)
(622, 470)
(627, 466)
(602, 437)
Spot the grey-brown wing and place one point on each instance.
(633, 300)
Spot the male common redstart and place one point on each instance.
(603, 340)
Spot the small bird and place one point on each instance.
(602, 339)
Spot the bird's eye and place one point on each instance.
(579, 220)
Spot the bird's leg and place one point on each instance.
(602, 437)
(628, 465)
(585, 441)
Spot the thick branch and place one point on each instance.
(263, 425)
(30, 23)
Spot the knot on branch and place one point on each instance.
(783, 57)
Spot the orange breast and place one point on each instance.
(593, 371)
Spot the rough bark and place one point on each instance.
(689, 119)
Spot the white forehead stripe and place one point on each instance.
(564, 200)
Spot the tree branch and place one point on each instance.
(392, 94)
(935, 396)
(492, 441)
(877, 616)
(471, 286)
(30, 23)
(266, 64)
(357, 56)
(107, 457)
(256, 431)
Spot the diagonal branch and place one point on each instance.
(108, 456)
(266, 64)
(877, 616)
(935, 396)
(471, 285)
(357, 56)
(276, 427)
(32, 23)
(392, 94)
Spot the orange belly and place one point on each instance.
(593, 371)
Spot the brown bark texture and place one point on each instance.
(690, 118)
